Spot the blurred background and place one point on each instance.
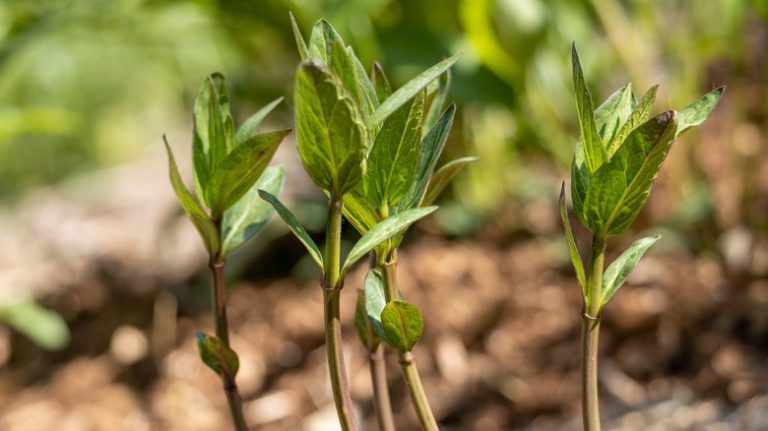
(103, 281)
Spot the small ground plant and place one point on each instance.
(230, 167)
(373, 152)
(618, 156)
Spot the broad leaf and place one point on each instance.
(443, 176)
(249, 126)
(394, 158)
(407, 91)
(639, 116)
(44, 327)
(619, 270)
(364, 326)
(190, 205)
(619, 189)
(375, 300)
(698, 111)
(382, 232)
(294, 226)
(332, 138)
(613, 113)
(573, 248)
(594, 152)
(403, 325)
(300, 44)
(217, 355)
(236, 174)
(243, 219)
(431, 147)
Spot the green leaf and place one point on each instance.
(332, 138)
(375, 300)
(639, 116)
(249, 126)
(243, 219)
(619, 189)
(220, 139)
(380, 82)
(294, 226)
(217, 355)
(613, 113)
(383, 231)
(431, 147)
(359, 212)
(44, 327)
(580, 181)
(236, 174)
(573, 248)
(407, 91)
(618, 271)
(321, 41)
(443, 176)
(190, 205)
(403, 324)
(363, 326)
(300, 44)
(394, 158)
(698, 111)
(594, 152)
(436, 107)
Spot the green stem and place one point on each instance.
(219, 296)
(381, 401)
(590, 331)
(332, 285)
(407, 361)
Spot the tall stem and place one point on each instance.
(590, 331)
(219, 296)
(332, 285)
(407, 361)
(381, 401)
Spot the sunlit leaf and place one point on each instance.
(698, 111)
(294, 226)
(573, 248)
(249, 126)
(403, 324)
(44, 327)
(443, 176)
(594, 152)
(619, 270)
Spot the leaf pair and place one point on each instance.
(621, 151)
(229, 169)
(399, 323)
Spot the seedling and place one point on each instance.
(229, 168)
(616, 161)
(339, 114)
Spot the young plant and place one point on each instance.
(338, 111)
(230, 167)
(616, 161)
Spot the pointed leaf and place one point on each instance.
(217, 355)
(321, 41)
(383, 231)
(190, 205)
(436, 107)
(613, 113)
(698, 111)
(363, 326)
(236, 174)
(219, 120)
(594, 153)
(249, 126)
(639, 116)
(300, 44)
(294, 226)
(375, 300)
(407, 91)
(619, 270)
(243, 219)
(380, 82)
(443, 176)
(332, 138)
(580, 181)
(573, 248)
(403, 324)
(44, 327)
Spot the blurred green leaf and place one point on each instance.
(443, 176)
(594, 152)
(294, 226)
(249, 126)
(363, 326)
(698, 111)
(618, 271)
(243, 219)
(217, 355)
(403, 324)
(44, 327)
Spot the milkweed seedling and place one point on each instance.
(338, 113)
(616, 161)
(229, 168)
